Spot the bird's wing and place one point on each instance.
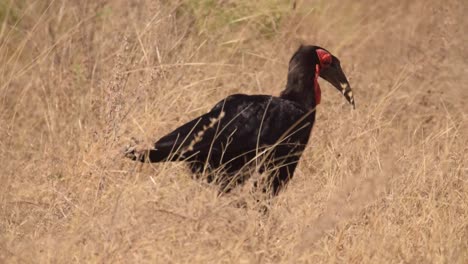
(235, 121)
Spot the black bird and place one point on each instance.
(261, 132)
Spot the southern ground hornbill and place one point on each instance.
(243, 133)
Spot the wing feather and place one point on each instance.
(237, 124)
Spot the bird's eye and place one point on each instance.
(324, 57)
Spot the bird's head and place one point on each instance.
(311, 62)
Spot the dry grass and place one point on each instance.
(386, 183)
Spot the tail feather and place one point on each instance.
(156, 155)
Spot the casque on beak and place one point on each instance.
(335, 75)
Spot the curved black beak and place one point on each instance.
(335, 75)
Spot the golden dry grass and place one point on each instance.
(386, 183)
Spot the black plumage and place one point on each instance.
(262, 132)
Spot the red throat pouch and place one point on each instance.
(317, 90)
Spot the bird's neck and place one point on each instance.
(303, 88)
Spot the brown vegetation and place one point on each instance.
(385, 183)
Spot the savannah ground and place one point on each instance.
(385, 183)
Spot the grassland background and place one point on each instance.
(386, 183)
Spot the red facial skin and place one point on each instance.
(318, 92)
(325, 60)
